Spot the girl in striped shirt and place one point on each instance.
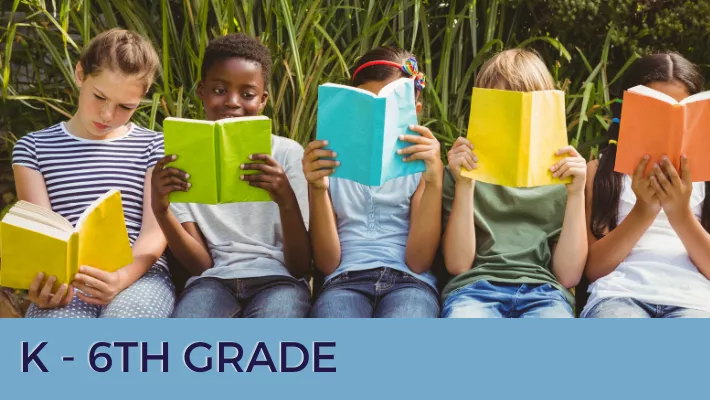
(69, 165)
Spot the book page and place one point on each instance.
(696, 97)
(41, 215)
(548, 133)
(193, 141)
(696, 139)
(238, 138)
(495, 128)
(655, 94)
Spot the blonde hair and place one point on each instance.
(518, 70)
(122, 51)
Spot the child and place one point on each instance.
(649, 247)
(375, 244)
(249, 258)
(513, 251)
(69, 165)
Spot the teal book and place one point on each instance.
(364, 128)
(212, 152)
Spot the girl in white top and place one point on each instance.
(649, 246)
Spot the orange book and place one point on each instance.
(654, 123)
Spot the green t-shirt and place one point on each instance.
(515, 228)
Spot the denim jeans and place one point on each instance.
(627, 307)
(263, 297)
(378, 293)
(483, 299)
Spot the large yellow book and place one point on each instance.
(516, 135)
(35, 239)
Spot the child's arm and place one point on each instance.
(30, 186)
(425, 214)
(459, 240)
(103, 286)
(273, 178)
(570, 253)
(674, 192)
(323, 229)
(607, 253)
(185, 240)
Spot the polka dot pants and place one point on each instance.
(151, 296)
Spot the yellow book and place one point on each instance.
(516, 135)
(35, 239)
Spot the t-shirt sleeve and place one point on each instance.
(156, 150)
(182, 212)
(294, 172)
(447, 200)
(25, 153)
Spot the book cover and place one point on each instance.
(516, 135)
(656, 124)
(212, 152)
(364, 129)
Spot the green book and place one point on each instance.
(212, 152)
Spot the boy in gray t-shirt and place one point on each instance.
(248, 258)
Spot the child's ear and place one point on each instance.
(419, 107)
(264, 98)
(200, 90)
(78, 74)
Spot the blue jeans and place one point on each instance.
(263, 297)
(483, 299)
(378, 293)
(627, 307)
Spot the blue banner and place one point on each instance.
(344, 359)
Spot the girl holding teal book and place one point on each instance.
(375, 244)
(514, 252)
(68, 166)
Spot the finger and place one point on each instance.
(91, 300)
(662, 178)
(670, 171)
(422, 130)
(314, 145)
(312, 176)
(256, 178)
(462, 142)
(320, 164)
(569, 150)
(573, 171)
(264, 185)
(160, 165)
(68, 297)
(103, 276)
(265, 158)
(641, 168)
(415, 139)
(414, 149)
(91, 281)
(176, 184)
(685, 170)
(471, 159)
(58, 297)
(175, 173)
(46, 292)
(264, 168)
(567, 160)
(91, 291)
(318, 153)
(657, 188)
(462, 162)
(33, 290)
(422, 155)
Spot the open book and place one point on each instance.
(35, 239)
(364, 129)
(212, 152)
(656, 124)
(516, 135)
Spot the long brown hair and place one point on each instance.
(660, 67)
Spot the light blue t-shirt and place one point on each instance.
(373, 224)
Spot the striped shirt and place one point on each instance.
(78, 171)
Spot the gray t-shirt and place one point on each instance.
(246, 239)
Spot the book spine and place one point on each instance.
(72, 259)
(524, 171)
(379, 112)
(218, 141)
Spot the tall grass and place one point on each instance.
(311, 41)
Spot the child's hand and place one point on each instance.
(461, 156)
(44, 298)
(98, 287)
(647, 202)
(316, 167)
(672, 190)
(574, 166)
(164, 181)
(270, 177)
(426, 148)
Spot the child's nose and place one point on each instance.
(106, 113)
(233, 100)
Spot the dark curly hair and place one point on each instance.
(237, 45)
